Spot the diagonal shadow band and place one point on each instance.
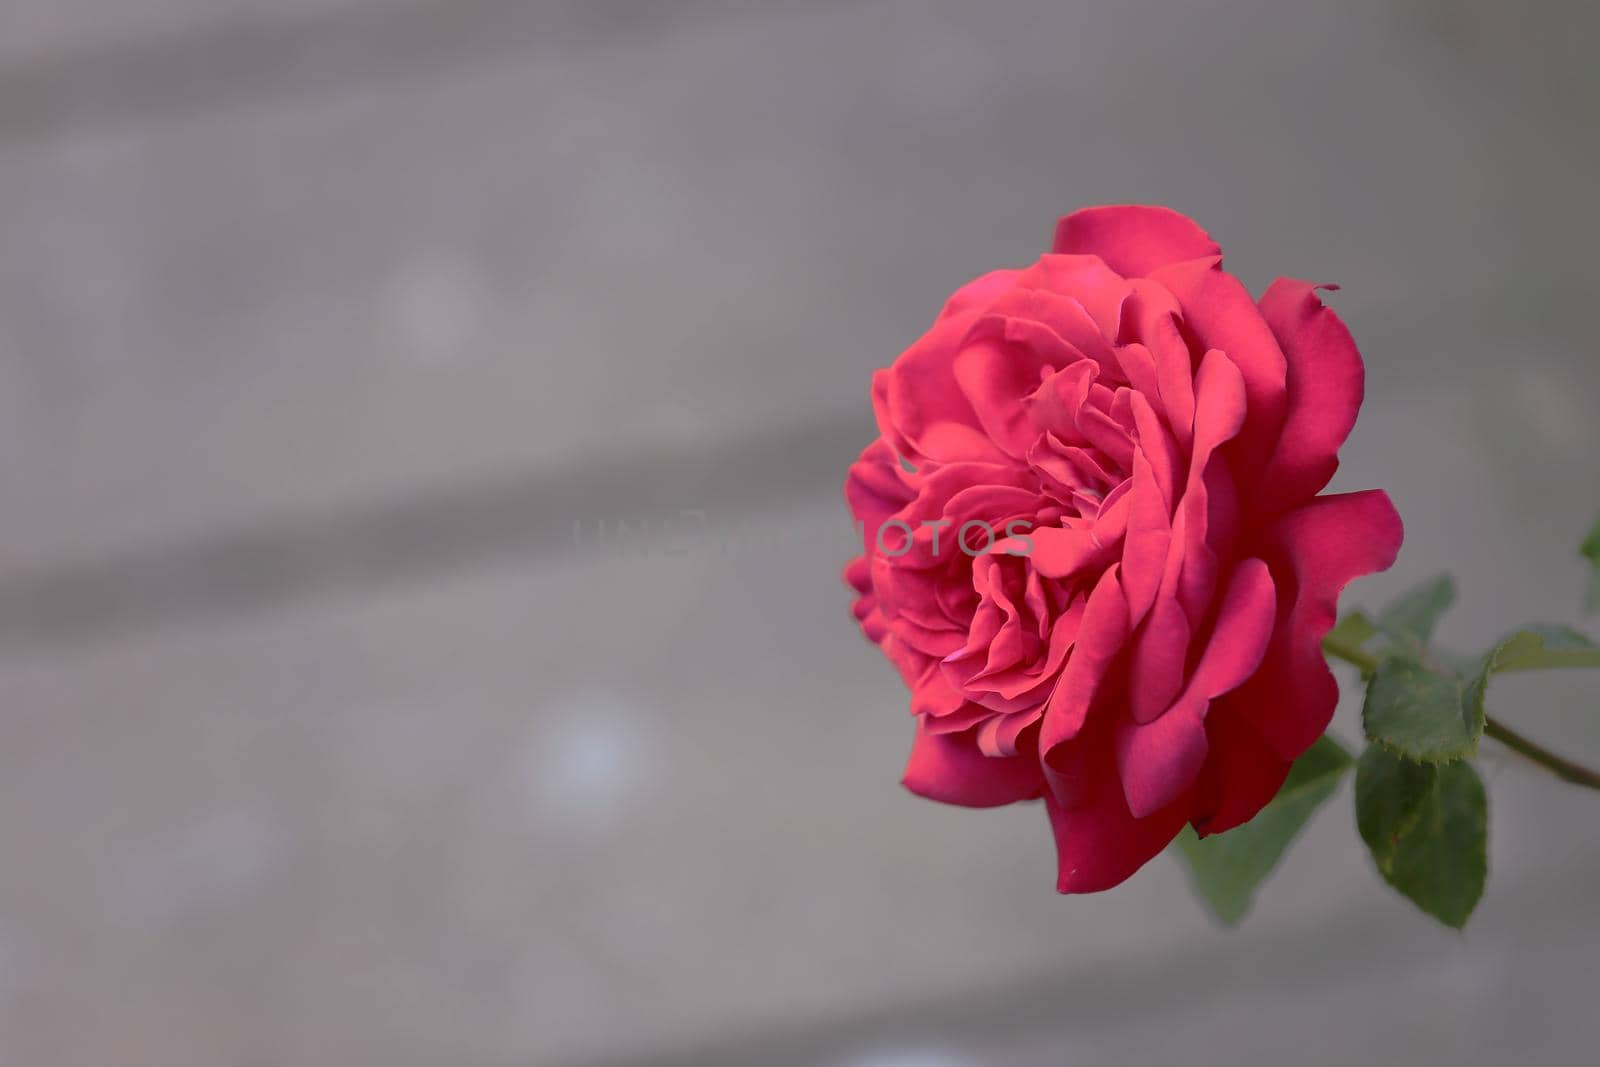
(1063, 1014)
(448, 530)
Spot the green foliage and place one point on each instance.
(1531, 648)
(1428, 704)
(1423, 712)
(1590, 550)
(1390, 791)
(1226, 869)
(1354, 630)
(1420, 805)
(1535, 648)
(1410, 618)
(1427, 829)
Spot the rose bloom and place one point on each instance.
(1092, 540)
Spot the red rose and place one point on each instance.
(1093, 544)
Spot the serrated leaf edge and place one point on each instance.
(1445, 755)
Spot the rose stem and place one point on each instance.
(1562, 768)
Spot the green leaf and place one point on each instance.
(1529, 649)
(1411, 617)
(1590, 550)
(1352, 631)
(1390, 791)
(1226, 869)
(1436, 852)
(1538, 648)
(1422, 713)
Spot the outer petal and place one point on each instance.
(1218, 311)
(1160, 759)
(875, 491)
(933, 696)
(980, 292)
(1241, 776)
(950, 769)
(1133, 239)
(1314, 551)
(920, 407)
(1239, 640)
(1098, 841)
(1086, 279)
(1325, 385)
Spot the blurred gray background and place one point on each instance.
(326, 737)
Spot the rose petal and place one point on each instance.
(1326, 381)
(875, 491)
(1160, 754)
(923, 410)
(980, 292)
(1243, 629)
(1133, 239)
(1160, 760)
(1218, 311)
(1101, 635)
(1150, 317)
(1160, 653)
(1099, 842)
(1144, 548)
(1062, 552)
(1241, 775)
(950, 769)
(1063, 314)
(1313, 552)
(1087, 280)
(933, 695)
(1156, 444)
(1054, 405)
(1221, 403)
(1000, 364)
(1139, 367)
